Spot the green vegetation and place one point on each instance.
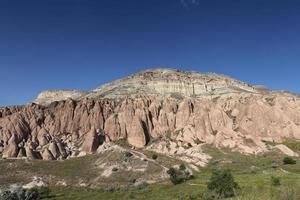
(154, 156)
(275, 181)
(16, 171)
(252, 173)
(222, 183)
(289, 161)
(180, 175)
(18, 193)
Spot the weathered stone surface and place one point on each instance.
(54, 150)
(284, 149)
(22, 153)
(91, 141)
(47, 155)
(11, 150)
(138, 136)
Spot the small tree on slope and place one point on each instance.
(222, 183)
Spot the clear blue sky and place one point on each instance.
(81, 44)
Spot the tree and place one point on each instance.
(222, 183)
(180, 175)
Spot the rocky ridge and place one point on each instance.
(164, 110)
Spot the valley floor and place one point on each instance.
(254, 187)
(253, 174)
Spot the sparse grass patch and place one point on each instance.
(251, 172)
(275, 181)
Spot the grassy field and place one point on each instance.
(256, 187)
(252, 173)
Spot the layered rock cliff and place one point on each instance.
(163, 110)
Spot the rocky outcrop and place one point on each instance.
(172, 82)
(243, 119)
(22, 153)
(138, 136)
(50, 96)
(53, 148)
(47, 155)
(11, 150)
(91, 141)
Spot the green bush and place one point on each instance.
(289, 161)
(175, 177)
(154, 156)
(182, 167)
(275, 181)
(18, 193)
(222, 183)
(180, 175)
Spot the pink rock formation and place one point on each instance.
(221, 111)
(11, 150)
(47, 155)
(91, 141)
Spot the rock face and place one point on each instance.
(47, 155)
(170, 109)
(11, 149)
(47, 97)
(91, 141)
(171, 82)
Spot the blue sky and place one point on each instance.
(81, 44)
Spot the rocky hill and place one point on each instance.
(163, 110)
(161, 82)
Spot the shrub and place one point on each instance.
(182, 167)
(114, 169)
(32, 194)
(222, 183)
(275, 181)
(142, 185)
(180, 175)
(175, 176)
(128, 154)
(289, 161)
(18, 193)
(154, 156)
